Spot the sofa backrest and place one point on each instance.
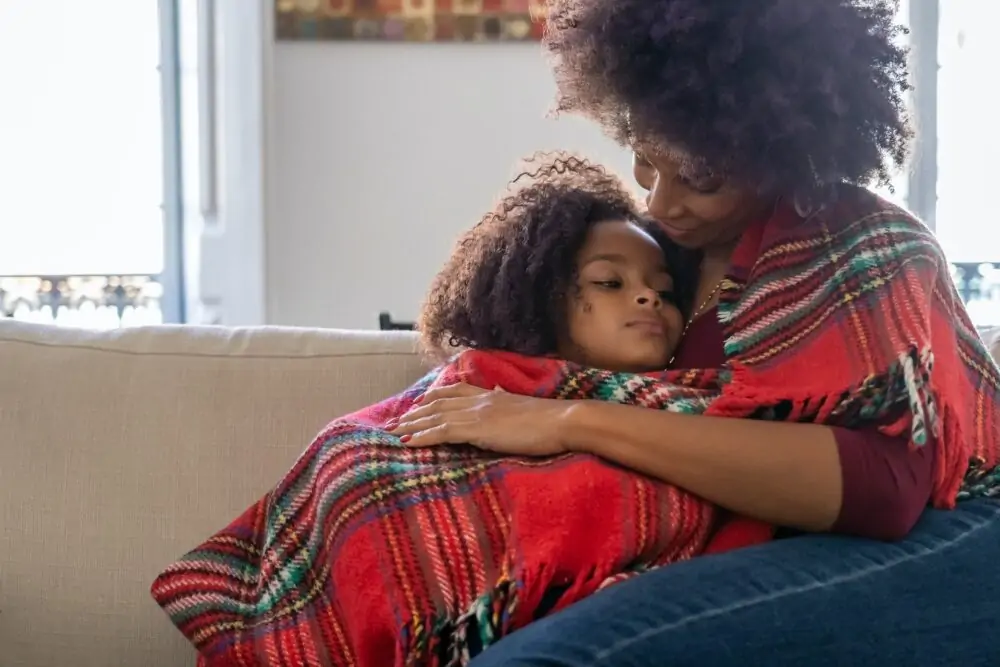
(121, 450)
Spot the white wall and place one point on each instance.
(379, 155)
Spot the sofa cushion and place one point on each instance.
(121, 450)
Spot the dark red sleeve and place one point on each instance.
(886, 484)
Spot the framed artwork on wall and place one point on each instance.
(410, 20)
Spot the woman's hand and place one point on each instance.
(491, 420)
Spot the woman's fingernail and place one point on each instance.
(406, 438)
(391, 424)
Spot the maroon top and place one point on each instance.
(886, 485)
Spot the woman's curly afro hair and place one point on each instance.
(787, 97)
(506, 284)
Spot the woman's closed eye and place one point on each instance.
(703, 186)
(608, 284)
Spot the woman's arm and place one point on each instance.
(786, 474)
(887, 484)
(802, 476)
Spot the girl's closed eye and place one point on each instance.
(608, 284)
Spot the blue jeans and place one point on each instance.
(932, 600)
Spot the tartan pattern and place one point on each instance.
(851, 318)
(369, 553)
(374, 554)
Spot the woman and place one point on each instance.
(749, 121)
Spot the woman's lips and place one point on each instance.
(674, 230)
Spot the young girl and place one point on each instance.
(565, 266)
(372, 551)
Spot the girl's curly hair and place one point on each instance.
(508, 278)
(788, 97)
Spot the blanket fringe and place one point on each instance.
(585, 585)
(447, 641)
(935, 423)
(917, 368)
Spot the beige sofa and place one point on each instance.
(121, 450)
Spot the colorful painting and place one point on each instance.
(410, 20)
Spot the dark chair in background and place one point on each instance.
(385, 323)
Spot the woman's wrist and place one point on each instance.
(578, 426)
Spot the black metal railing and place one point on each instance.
(109, 301)
(978, 284)
(91, 301)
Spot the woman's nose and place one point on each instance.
(663, 201)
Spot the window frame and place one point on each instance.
(171, 278)
(921, 190)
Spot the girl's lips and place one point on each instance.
(648, 326)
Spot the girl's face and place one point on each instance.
(623, 316)
(693, 215)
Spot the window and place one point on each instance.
(967, 52)
(90, 217)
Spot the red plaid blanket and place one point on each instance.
(370, 554)
(373, 554)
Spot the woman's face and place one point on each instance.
(694, 215)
